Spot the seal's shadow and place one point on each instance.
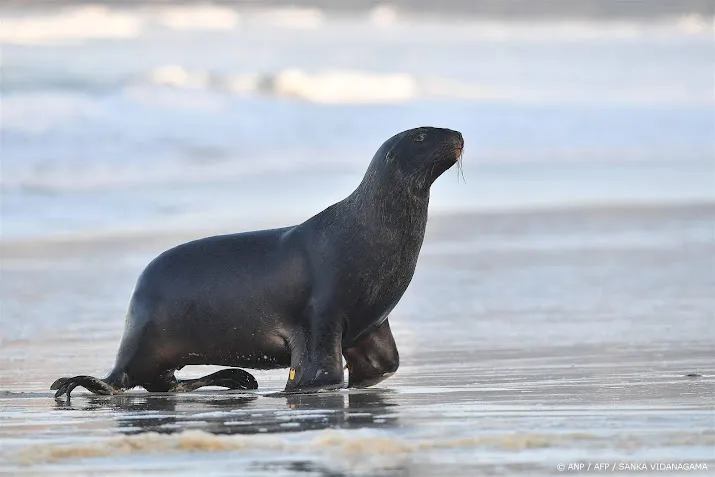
(246, 413)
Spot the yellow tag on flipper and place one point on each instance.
(291, 375)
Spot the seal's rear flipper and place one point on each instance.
(372, 358)
(232, 378)
(97, 386)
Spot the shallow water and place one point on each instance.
(527, 340)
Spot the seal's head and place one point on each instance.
(417, 157)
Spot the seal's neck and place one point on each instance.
(387, 200)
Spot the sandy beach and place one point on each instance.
(527, 340)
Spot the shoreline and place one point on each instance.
(531, 10)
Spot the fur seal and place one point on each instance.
(297, 297)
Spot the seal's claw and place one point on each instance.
(94, 385)
(65, 389)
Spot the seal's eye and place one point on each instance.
(420, 137)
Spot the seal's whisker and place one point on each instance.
(460, 167)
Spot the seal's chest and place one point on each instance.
(374, 297)
(394, 261)
(380, 262)
(386, 280)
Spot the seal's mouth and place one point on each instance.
(458, 141)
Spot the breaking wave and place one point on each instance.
(366, 444)
(166, 85)
(330, 87)
(198, 17)
(81, 23)
(70, 25)
(91, 22)
(356, 449)
(327, 87)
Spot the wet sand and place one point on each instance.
(527, 340)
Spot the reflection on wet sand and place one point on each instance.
(232, 413)
(306, 467)
(227, 413)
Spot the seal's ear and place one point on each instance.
(390, 156)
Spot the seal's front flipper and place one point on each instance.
(322, 380)
(316, 359)
(373, 358)
(233, 378)
(92, 384)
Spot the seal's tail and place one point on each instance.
(112, 384)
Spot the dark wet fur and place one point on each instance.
(300, 297)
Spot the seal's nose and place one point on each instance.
(458, 141)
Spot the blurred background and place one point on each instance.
(562, 307)
(126, 116)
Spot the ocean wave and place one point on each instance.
(351, 86)
(577, 30)
(75, 24)
(289, 17)
(366, 444)
(383, 15)
(334, 86)
(175, 86)
(172, 75)
(327, 87)
(196, 17)
(345, 86)
(70, 25)
(365, 448)
(81, 23)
